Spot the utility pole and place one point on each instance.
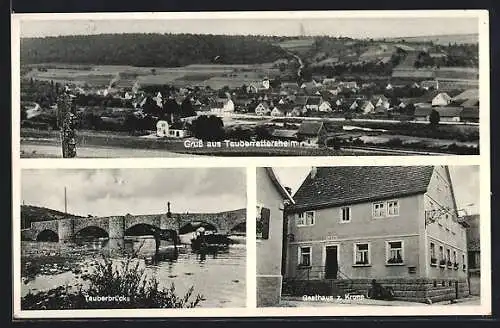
(65, 203)
(66, 121)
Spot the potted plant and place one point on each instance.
(442, 263)
(449, 263)
(433, 261)
(455, 265)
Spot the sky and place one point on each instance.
(465, 180)
(107, 192)
(367, 27)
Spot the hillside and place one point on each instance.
(35, 213)
(155, 50)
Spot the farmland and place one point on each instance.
(214, 75)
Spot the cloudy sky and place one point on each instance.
(108, 192)
(465, 181)
(366, 27)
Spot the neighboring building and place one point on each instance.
(449, 114)
(474, 252)
(397, 225)
(311, 132)
(272, 198)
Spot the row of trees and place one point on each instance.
(163, 50)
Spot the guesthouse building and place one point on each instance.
(397, 225)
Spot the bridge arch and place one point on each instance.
(141, 229)
(91, 232)
(47, 235)
(194, 225)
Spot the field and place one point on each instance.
(441, 39)
(214, 75)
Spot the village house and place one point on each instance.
(313, 103)
(282, 110)
(263, 109)
(367, 107)
(430, 84)
(397, 225)
(311, 132)
(222, 106)
(325, 106)
(272, 198)
(381, 100)
(441, 99)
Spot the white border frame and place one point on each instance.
(482, 159)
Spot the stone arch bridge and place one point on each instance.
(116, 226)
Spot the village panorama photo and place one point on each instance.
(227, 84)
(131, 239)
(368, 235)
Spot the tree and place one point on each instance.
(434, 119)
(208, 128)
(187, 109)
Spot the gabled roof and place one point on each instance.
(422, 111)
(300, 100)
(280, 133)
(310, 128)
(313, 101)
(468, 94)
(470, 103)
(342, 185)
(449, 111)
(278, 185)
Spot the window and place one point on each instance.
(442, 261)
(394, 252)
(361, 254)
(433, 254)
(378, 210)
(393, 208)
(448, 257)
(305, 219)
(345, 214)
(463, 262)
(305, 256)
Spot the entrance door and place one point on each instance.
(331, 263)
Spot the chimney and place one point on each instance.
(314, 171)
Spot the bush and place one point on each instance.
(128, 280)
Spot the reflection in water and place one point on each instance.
(218, 273)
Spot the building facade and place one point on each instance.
(272, 198)
(398, 225)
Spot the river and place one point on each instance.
(219, 277)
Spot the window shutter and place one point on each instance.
(265, 214)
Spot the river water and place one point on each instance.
(219, 276)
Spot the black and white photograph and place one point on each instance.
(132, 238)
(265, 84)
(368, 235)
